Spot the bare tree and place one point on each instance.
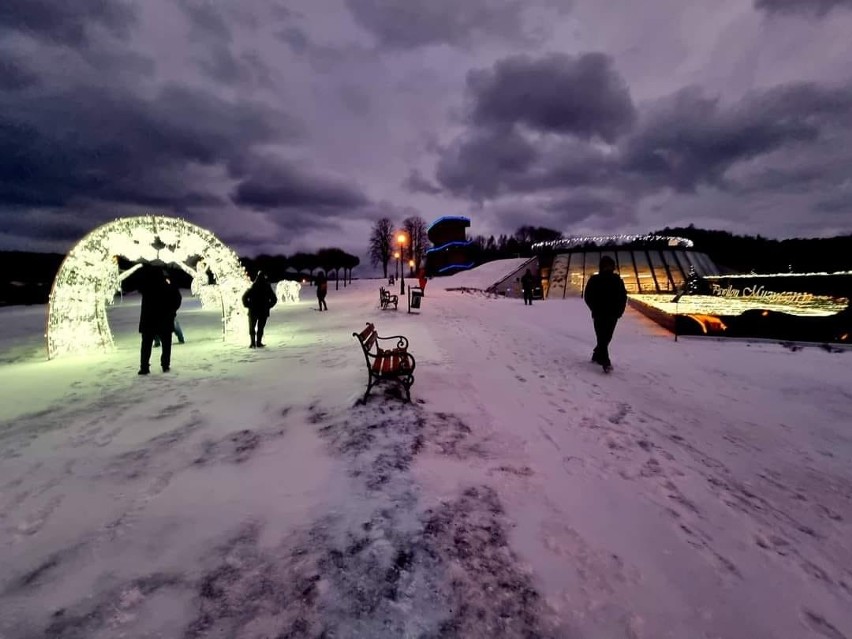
(415, 227)
(381, 243)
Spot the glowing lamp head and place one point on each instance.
(401, 239)
(396, 255)
(411, 263)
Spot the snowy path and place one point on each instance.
(704, 489)
(685, 495)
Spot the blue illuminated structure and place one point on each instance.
(451, 250)
(456, 266)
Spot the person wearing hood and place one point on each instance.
(160, 302)
(258, 299)
(606, 297)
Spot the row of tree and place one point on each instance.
(519, 244)
(407, 243)
(295, 267)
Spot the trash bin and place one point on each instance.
(416, 296)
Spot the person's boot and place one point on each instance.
(144, 371)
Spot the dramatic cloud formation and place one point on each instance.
(583, 96)
(68, 23)
(807, 7)
(282, 126)
(418, 23)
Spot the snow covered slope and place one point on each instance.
(482, 277)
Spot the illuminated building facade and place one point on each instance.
(647, 264)
(451, 250)
(681, 289)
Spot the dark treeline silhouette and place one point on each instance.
(335, 262)
(519, 244)
(746, 253)
(27, 277)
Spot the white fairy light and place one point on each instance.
(287, 291)
(607, 240)
(88, 278)
(812, 305)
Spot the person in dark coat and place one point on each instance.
(606, 297)
(527, 283)
(322, 290)
(178, 331)
(258, 299)
(160, 302)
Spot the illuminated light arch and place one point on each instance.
(88, 278)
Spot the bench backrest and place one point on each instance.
(367, 337)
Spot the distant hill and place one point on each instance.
(746, 253)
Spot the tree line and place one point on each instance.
(755, 253)
(295, 267)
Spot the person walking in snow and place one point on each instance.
(527, 282)
(160, 302)
(606, 297)
(322, 290)
(258, 299)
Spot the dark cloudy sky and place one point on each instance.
(283, 126)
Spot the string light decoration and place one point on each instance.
(614, 240)
(88, 278)
(809, 306)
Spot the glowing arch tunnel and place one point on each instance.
(89, 278)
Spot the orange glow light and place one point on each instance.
(401, 238)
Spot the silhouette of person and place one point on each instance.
(606, 297)
(322, 290)
(178, 331)
(258, 299)
(160, 302)
(527, 282)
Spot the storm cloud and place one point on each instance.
(531, 134)
(417, 23)
(582, 96)
(276, 126)
(802, 7)
(268, 184)
(67, 23)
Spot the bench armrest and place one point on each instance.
(402, 341)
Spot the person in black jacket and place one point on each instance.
(160, 302)
(322, 290)
(606, 297)
(527, 282)
(258, 299)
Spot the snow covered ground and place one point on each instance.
(703, 490)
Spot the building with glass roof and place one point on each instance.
(646, 263)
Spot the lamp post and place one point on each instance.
(396, 264)
(401, 241)
(411, 268)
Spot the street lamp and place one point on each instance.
(396, 264)
(411, 267)
(401, 241)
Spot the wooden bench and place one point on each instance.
(386, 299)
(395, 364)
